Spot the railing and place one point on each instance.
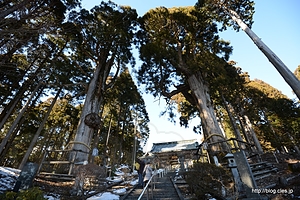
(66, 157)
(147, 188)
(233, 144)
(152, 182)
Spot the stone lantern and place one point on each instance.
(242, 174)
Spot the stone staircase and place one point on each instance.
(163, 189)
(261, 171)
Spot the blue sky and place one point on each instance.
(276, 22)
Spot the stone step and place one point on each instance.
(52, 176)
(259, 166)
(163, 190)
(264, 171)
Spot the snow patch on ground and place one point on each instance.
(8, 178)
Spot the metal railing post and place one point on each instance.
(146, 188)
(152, 182)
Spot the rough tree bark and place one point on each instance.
(92, 103)
(207, 114)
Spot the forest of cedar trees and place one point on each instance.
(69, 78)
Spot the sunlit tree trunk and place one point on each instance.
(287, 75)
(92, 103)
(207, 114)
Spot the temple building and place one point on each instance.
(176, 154)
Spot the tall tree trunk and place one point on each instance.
(124, 128)
(92, 104)
(10, 141)
(21, 113)
(19, 126)
(249, 129)
(46, 144)
(221, 125)
(232, 120)
(118, 130)
(294, 145)
(96, 139)
(288, 76)
(105, 153)
(121, 156)
(11, 106)
(38, 132)
(207, 114)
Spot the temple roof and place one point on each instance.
(174, 146)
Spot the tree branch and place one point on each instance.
(113, 80)
(180, 65)
(180, 89)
